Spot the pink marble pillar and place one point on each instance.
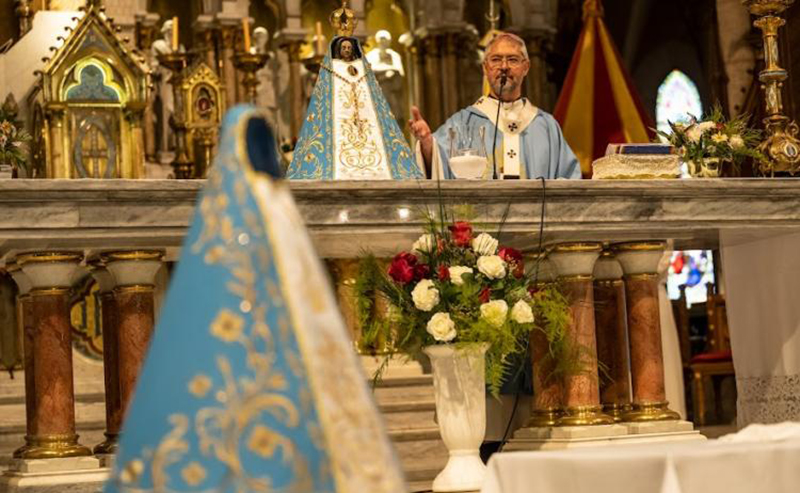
(134, 276)
(548, 390)
(105, 282)
(612, 336)
(50, 396)
(640, 263)
(575, 264)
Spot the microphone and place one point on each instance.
(503, 81)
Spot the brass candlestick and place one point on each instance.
(177, 63)
(250, 64)
(781, 146)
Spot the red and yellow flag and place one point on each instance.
(598, 104)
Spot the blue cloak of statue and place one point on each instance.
(350, 131)
(251, 383)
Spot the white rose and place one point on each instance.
(494, 312)
(492, 267)
(456, 272)
(484, 244)
(425, 295)
(522, 313)
(425, 243)
(706, 126)
(737, 142)
(442, 327)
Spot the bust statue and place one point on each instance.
(384, 59)
(163, 45)
(388, 68)
(260, 40)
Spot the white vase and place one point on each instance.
(459, 386)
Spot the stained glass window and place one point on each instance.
(677, 97)
(693, 269)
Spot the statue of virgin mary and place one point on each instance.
(350, 132)
(251, 382)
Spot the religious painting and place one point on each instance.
(93, 133)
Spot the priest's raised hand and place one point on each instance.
(422, 132)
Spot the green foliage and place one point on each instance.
(714, 138)
(13, 140)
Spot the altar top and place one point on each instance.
(347, 218)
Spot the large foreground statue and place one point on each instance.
(251, 383)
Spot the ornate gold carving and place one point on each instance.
(544, 418)
(51, 447)
(48, 258)
(640, 246)
(132, 255)
(578, 247)
(135, 288)
(343, 20)
(650, 411)
(584, 416)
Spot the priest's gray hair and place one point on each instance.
(513, 38)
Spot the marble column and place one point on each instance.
(24, 321)
(134, 276)
(640, 263)
(50, 409)
(575, 264)
(548, 389)
(612, 336)
(108, 307)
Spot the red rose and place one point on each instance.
(513, 258)
(444, 273)
(462, 233)
(421, 271)
(402, 268)
(485, 295)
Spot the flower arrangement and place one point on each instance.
(12, 142)
(705, 145)
(455, 287)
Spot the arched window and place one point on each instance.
(677, 98)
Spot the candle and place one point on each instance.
(175, 46)
(320, 39)
(246, 29)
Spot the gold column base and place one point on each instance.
(584, 416)
(109, 446)
(544, 418)
(617, 411)
(650, 411)
(51, 447)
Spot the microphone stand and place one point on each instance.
(503, 80)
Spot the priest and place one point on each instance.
(528, 144)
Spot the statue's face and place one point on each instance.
(346, 50)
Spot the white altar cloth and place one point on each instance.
(760, 462)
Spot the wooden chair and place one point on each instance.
(716, 361)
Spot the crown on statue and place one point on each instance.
(343, 20)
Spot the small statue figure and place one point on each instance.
(388, 67)
(260, 40)
(384, 59)
(164, 104)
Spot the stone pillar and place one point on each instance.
(640, 263)
(105, 282)
(548, 390)
(432, 90)
(56, 160)
(228, 74)
(24, 321)
(50, 397)
(134, 275)
(575, 264)
(612, 336)
(538, 88)
(297, 101)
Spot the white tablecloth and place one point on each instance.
(748, 466)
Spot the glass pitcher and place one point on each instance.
(468, 152)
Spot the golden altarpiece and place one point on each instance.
(91, 96)
(203, 91)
